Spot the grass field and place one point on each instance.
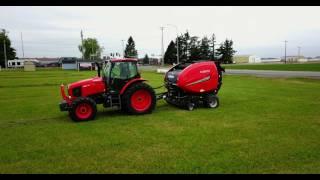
(278, 67)
(262, 126)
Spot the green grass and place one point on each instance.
(262, 126)
(278, 67)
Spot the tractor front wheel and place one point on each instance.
(139, 98)
(83, 109)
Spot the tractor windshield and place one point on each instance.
(120, 70)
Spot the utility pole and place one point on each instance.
(177, 49)
(92, 51)
(82, 45)
(22, 46)
(285, 51)
(213, 41)
(122, 48)
(4, 48)
(82, 48)
(299, 51)
(162, 56)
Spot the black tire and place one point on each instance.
(80, 101)
(190, 106)
(211, 101)
(126, 98)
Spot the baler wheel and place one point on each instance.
(83, 109)
(190, 106)
(212, 101)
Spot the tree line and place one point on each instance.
(10, 51)
(192, 48)
(92, 49)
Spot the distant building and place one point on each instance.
(270, 60)
(29, 66)
(238, 59)
(140, 61)
(48, 62)
(87, 65)
(74, 63)
(291, 58)
(39, 62)
(155, 59)
(19, 63)
(315, 59)
(68, 62)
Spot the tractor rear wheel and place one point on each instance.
(139, 98)
(83, 109)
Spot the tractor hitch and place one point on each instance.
(64, 106)
(161, 95)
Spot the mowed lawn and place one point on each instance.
(263, 125)
(278, 67)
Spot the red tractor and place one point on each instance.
(188, 84)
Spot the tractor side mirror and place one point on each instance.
(99, 68)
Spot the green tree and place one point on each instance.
(204, 49)
(212, 47)
(91, 48)
(194, 48)
(226, 51)
(130, 50)
(170, 56)
(10, 52)
(184, 47)
(146, 59)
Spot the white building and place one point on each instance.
(254, 59)
(270, 60)
(246, 59)
(19, 63)
(155, 59)
(309, 60)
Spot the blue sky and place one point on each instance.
(55, 31)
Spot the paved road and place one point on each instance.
(269, 73)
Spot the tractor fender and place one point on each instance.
(132, 81)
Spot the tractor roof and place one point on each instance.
(124, 60)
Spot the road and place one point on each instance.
(269, 73)
(259, 73)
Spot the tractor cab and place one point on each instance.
(118, 72)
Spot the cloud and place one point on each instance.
(55, 31)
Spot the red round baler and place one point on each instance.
(191, 84)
